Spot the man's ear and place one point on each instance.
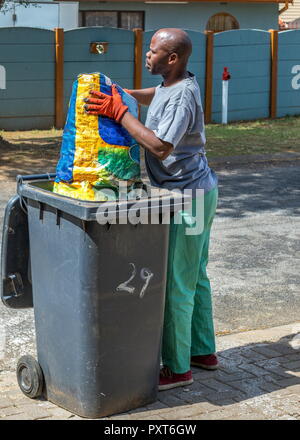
(173, 58)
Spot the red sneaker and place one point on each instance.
(206, 361)
(168, 379)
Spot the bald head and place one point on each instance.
(175, 40)
(168, 54)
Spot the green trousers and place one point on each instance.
(188, 322)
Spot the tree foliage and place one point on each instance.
(8, 5)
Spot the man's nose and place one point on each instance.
(148, 54)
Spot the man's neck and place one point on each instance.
(173, 78)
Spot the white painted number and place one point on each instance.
(145, 275)
(296, 79)
(123, 286)
(2, 77)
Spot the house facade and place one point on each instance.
(194, 14)
(290, 18)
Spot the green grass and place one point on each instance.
(237, 138)
(254, 137)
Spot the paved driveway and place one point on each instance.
(254, 256)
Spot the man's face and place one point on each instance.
(157, 58)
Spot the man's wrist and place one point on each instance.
(121, 113)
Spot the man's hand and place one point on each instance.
(106, 105)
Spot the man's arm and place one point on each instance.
(145, 137)
(113, 107)
(143, 96)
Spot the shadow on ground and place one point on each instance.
(36, 155)
(247, 191)
(245, 372)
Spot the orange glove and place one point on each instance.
(106, 105)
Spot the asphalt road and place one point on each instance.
(254, 256)
(255, 248)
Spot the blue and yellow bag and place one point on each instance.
(96, 151)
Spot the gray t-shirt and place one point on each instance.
(175, 115)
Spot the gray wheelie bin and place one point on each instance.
(98, 296)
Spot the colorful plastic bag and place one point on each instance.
(96, 151)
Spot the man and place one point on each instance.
(173, 138)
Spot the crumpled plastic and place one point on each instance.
(96, 151)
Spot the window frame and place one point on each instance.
(118, 16)
(224, 14)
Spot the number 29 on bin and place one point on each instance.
(145, 275)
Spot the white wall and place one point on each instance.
(68, 15)
(292, 13)
(42, 14)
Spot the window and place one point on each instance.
(97, 18)
(131, 20)
(118, 19)
(222, 22)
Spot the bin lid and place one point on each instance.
(40, 191)
(15, 275)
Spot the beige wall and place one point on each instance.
(292, 13)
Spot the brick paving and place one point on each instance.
(258, 379)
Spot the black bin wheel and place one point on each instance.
(30, 376)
